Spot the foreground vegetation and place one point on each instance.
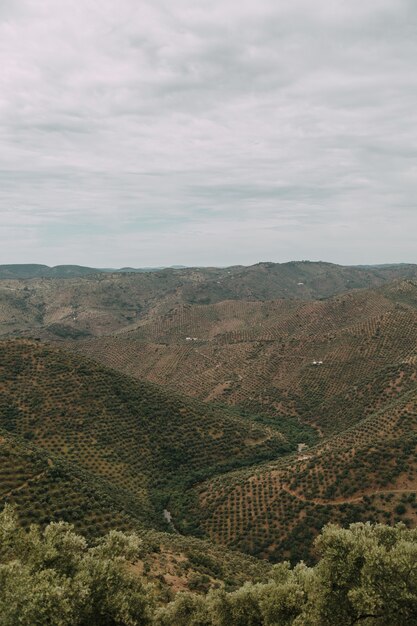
(366, 574)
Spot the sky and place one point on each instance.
(148, 133)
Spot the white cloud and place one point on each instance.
(250, 121)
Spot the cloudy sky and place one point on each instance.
(143, 133)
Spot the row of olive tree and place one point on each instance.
(366, 575)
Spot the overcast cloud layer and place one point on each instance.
(160, 132)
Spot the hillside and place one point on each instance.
(142, 440)
(253, 422)
(72, 303)
(47, 488)
(262, 356)
(361, 400)
(368, 472)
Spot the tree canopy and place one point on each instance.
(366, 574)
(53, 577)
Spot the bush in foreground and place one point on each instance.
(52, 577)
(367, 574)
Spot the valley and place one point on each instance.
(212, 405)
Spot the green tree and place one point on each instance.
(52, 577)
(367, 575)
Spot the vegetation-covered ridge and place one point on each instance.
(132, 434)
(73, 303)
(47, 488)
(245, 422)
(365, 574)
(165, 451)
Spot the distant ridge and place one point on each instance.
(34, 270)
(123, 270)
(26, 271)
(387, 271)
(71, 301)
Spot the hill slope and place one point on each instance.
(104, 303)
(130, 433)
(263, 356)
(338, 374)
(362, 400)
(46, 488)
(275, 510)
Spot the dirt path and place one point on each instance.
(23, 485)
(317, 428)
(323, 502)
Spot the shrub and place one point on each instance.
(54, 577)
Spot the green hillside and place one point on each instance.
(367, 472)
(46, 488)
(252, 423)
(133, 434)
(288, 360)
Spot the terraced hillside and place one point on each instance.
(79, 307)
(142, 440)
(368, 472)
(72, 303)
(282, 358)
(346, 366)
(46, 487)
